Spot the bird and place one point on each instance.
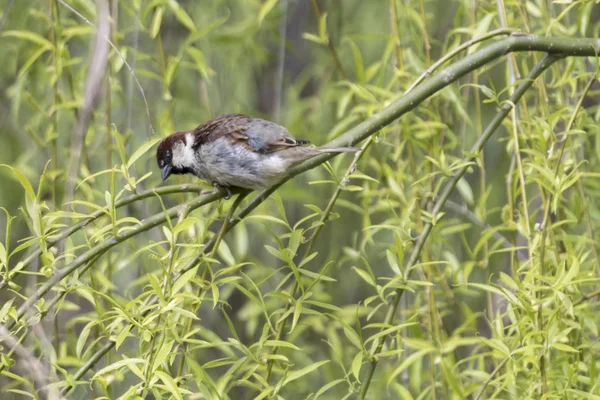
(236, 151)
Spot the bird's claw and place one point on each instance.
(223, 189)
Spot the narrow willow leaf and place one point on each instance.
(162, 354)
(408, 361)
(297, 313)
(183, 279)
(170, 384)
(141, 151)
(356, 364)
(365, 276)
(215, 294)
(265, 9)
(22, 180)
(564, 347)
(157, 21)
(181, 15)
(306, 370)
(118, 365)
(328, 386)
(83, 337)
(281, 343)
(31, 37)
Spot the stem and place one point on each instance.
(554, 46)
(100, 249)
(351, 168)
(489, 379)
(213, 251)
(188, 188)
(545, 223)
(334, 53)
(540, 67)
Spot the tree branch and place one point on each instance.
(537, 70)
(556, 47)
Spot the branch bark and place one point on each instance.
(555, 47)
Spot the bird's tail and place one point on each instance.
(338, 149)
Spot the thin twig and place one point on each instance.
(184, 188)
(213, 251)
(491, 377)
(420, 243)
(124, 62)
(93, 88)
(106, 245)
(278, 89)
(351, 169)
(558, 47)
(30, 364)
(545, 223)
(332, 49)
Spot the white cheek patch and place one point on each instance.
(189, 140)
(184, 155)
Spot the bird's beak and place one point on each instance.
(166, 171)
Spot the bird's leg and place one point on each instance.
(223, 189)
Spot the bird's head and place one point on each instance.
(175, 154)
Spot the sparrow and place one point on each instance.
(236, 150)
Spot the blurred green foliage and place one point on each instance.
(502, 305)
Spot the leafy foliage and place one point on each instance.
(390, 275)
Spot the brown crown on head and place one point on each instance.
(166, 145)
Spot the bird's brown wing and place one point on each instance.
(284, 143)
(232, 126)
(256, 134)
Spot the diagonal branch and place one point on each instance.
(506, 108)
(555, 46)
(352, 167)
(100, 249)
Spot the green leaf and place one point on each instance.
(328, 386)
(281, 343)
(297, 313)
(181, 15)
(313, 38)
(23, 181)
(564, 347)
(5, 308)
(157, 21)
(408, 361)
(265, 9)
(200, 60)
(122, 336)
(583, 395)
(358, 60)
(162, 354)
(141, 151)
(31, 37)
(185, 224)
(106, 171)
(300, 373)
(3, 256)
(83, 338)
(215, 293)
(225, 253)
(183, 279)
(365, 276)
(356, 364)
(465, 190)
(170, 384)
(118, 365)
